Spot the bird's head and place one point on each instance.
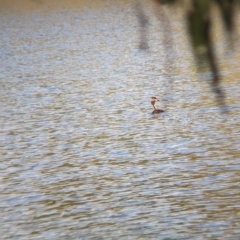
(154, 99)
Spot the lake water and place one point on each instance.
(82, 157)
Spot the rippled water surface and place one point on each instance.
(81, 155)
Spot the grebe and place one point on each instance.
(154, 99)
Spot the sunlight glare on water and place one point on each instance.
(82, 157)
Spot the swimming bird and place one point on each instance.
(154, 99)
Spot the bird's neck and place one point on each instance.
(153, 103)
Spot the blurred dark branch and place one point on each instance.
(215, 83)
(227, 9)
(166, 30)
(143, 23)
(199, 21)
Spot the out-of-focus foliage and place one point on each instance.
(199, 19)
